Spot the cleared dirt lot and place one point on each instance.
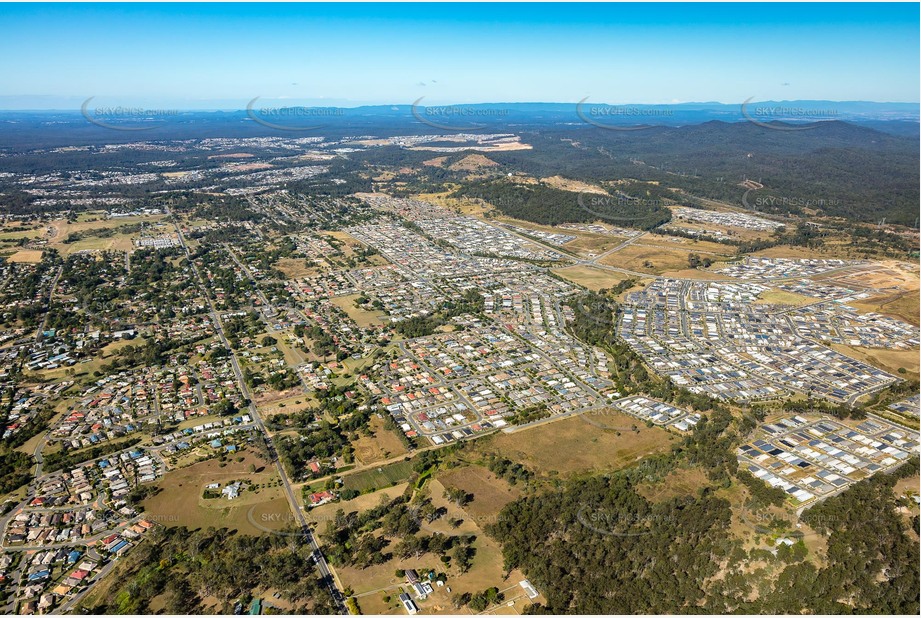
(575, 445)
(472, 163)
(26, 256)
(590, 277)
(586, 244)
(576, 186)
(490, 494)
(297, 402)
(696, 274)
(793, 253)
(901, 305)
(883, 274)
(887, 360)
(735, 233)
(295, 268)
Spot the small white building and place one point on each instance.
(231, 491)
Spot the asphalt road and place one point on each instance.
(54, 284)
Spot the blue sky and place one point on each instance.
(189, 56)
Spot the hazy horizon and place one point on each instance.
(74, 104)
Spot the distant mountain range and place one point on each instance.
(267, 117)
(795, 110)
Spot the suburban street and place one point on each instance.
(327, 574)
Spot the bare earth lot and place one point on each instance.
(653, 259)
(490, 494)
(294, 268)
(591, 278)
(26, 256)
(901, 305)
(573, 445)
(887, 360)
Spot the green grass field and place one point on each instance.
(379, 478)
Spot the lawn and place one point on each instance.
(119, 241)
(326, 512)
(360, 316)
(781, 297)
(292, 355)
(379, 478)
(180, 501)
(6, 235)
(61, 407)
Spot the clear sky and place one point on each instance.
(222, 55)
